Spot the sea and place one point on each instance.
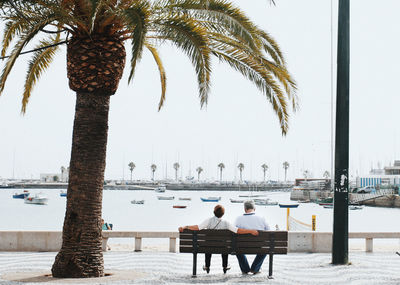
(159, 215)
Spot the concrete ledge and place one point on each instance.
(298, 241)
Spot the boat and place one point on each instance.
(250, 196)
(325, 204)
(288, 205)
(39, 199)
(266, 203)
(211, 199)
(179, 206)
(304, 201)
(324, 201)
(356, 207)
(160, 189)
(237, 200)
(63, 193)
(137, 202)
(328, 206)
(165, 197)
(185, 198)
(21, 195)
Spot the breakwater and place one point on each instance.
(170, 186)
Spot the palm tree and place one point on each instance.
(285, 166)
(326, 174)
(95, 33)
(306, 174)
(131, 168)
(241, 167)
(199, 170)
(63, 169)
(265, 168)
(176, 167)
(153, 168)
(221, 167)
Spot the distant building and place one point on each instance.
(54, 177)
(389, 175)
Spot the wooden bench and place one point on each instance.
(224, 241)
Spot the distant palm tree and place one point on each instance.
(131, 168)
(306, 174)
(153, 169)
(326, 174)
(176, 167)
(199, 170)
(265, 168)
(285, 166)
(241, 167)
(221, 167)
(62, 173)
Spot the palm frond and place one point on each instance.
(137, 20)
(24, 40)
(37, 65)
(11, 29)
(191, 39)
(163, 78)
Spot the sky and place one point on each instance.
(238, 124)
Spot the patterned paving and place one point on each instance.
(170, 268)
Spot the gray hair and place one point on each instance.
(249, 204)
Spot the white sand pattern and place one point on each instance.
(170, 268)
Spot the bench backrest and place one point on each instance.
(224, 241)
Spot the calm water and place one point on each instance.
(158, 215)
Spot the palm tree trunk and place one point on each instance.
(131, 175)
(220, 175)
(264, 176)
(81, 253)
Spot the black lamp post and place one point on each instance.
(340, 246)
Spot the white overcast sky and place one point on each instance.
(238, 124)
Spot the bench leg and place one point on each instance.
(138, 244)
(369, 245)
(104, 245)
(172, 244)
(271, 261)
(194, 265)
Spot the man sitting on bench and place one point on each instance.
(216, 223)
(250, 221)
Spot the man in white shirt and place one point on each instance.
(216, 223)
(249, 220)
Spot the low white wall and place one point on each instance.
(30, 240)
(298, 241)
(310, 242)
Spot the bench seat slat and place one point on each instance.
(278, 250)
(208, 243)
(261, 244)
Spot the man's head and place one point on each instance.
(249, 206)
(219, 211)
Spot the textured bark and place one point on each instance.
(81, 253)
(95, 67)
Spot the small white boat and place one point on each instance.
(160, 189)
(185, 198)
(137, 202)
(328, 206)
(211, 199)
(266, 203)
(237, 200)
(356, 207)
(165, 197)
(39, 199)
